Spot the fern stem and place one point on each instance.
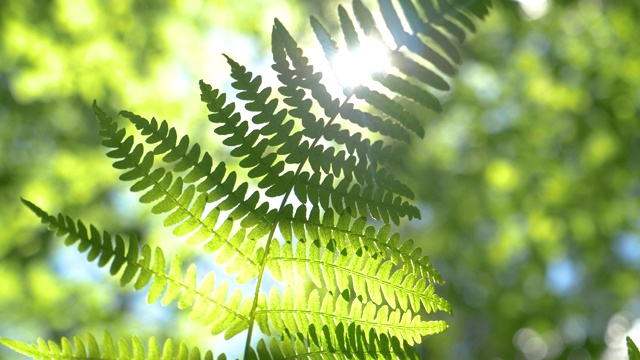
(265, 258)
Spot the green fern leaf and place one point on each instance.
(632, 349)
(366, 286)
(123, 349)
(209, 307)
(366, 20)
(334, 310)
(283, 44)
(410, 91)
(360, 171)
(338, 343)
(391, 108)
(261, 167)
(411, 68)
(173, 197)
(450, 17)
(348, 29)
(371, 278)
(345, 232)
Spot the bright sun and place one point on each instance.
(354, 67)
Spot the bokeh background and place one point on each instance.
(529, 181)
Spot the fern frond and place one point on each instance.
(632, 350)
(344, 232)
(302, 75)
(371, 278)
(252, 214)
(367, 286)
(251, 147)
(389, 107)
(147, 266)
(299, 74)
(335, 343)
(341, 345)
(247, 210)
(378, 203)
(431, 24)
(89, 349)
(363, 170)
(295, 312)
(173, 197)
(352, 198)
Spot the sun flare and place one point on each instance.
(354, 67)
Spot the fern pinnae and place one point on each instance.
(374, 123)
(412, 69)
(373, 98)
(392, 19)
(285, 314)
(454, 10)
(267, 167)
(361, 172)
(110, 350)
(220, 112)
(147, 266)
(369, 277)
(299, 64)
(411, 42)
(348, 232)
(302, 75)
(337, 343)
(211, 185)
(172, 196)
(333, 133)
(391, 108)
(254, 307)
(295, 54)
(365, 19)
(290, 322)
(632, 349)
(353, 199)
(347, 110)
(408, 90)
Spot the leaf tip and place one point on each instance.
(31, 207)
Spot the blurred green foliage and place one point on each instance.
(532, 176)
(529, 180)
